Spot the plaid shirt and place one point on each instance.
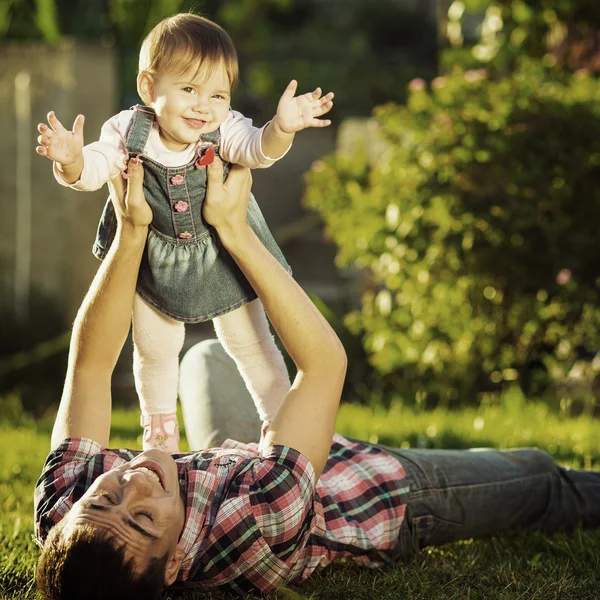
(255, 521)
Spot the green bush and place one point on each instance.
(479, 226)
(563, 34)
(366, 52)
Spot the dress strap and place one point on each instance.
(139, 129)
(211, 139)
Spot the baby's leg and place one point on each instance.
(246, 337)
(157, 341)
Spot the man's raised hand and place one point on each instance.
(128, 197)
(226, 204)
(60, 144)
(295, 113)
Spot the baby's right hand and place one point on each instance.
(60, 144)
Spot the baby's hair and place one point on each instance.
(184, 41)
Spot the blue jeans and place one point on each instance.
(458, 494)
(454, 494)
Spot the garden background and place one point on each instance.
(446, 224)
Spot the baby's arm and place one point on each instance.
(84, 168)
(62, 146)
(294, 113)
(246, 145)
(241, 143)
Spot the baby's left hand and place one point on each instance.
(295, 113)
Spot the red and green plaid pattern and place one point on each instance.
(255, 522)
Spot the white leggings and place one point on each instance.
(245, 336)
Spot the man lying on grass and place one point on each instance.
(123, 524)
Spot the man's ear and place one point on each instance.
(145, 87)
(173, 565)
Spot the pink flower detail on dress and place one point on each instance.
(181, 206)
(186, 235)
(177, 179)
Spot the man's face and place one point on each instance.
(139, 503)
(191, 104)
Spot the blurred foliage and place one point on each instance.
(33, 356)
(478, 224)
(562, 33)
(366, 52)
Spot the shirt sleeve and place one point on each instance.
(281, 498)
(61, 471)
(105, 159)
(241, 143)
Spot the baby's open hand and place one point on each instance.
(295, 113)
(60, 144)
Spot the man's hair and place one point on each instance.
(187, 41)
(90, 564)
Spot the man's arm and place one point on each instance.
(103, 321)
(306, 418)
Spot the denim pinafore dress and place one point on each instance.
(185, 273)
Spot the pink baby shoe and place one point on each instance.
(161, 432)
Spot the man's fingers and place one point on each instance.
(239, 182)
(128, 197)
(239, 176)
(135, 182)
(290, 90)
(54, 122)
(246, 183)
(78, 125)
(136, 170)
(215, 170)
(116, 188)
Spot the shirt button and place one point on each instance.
(186, 235)
(177, 179)
(181, 206)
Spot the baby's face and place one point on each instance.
(191, 104)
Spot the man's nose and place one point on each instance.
(138, 485)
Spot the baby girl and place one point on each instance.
(187, 70)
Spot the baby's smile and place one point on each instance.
(194, 123)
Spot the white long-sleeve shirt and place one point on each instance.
(105, 159)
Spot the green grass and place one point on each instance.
(518, 566)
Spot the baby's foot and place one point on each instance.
(161, 432)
